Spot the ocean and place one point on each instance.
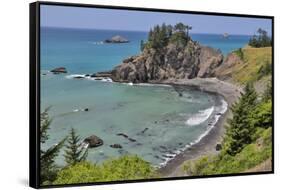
(161, 122)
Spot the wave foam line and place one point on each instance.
(200, 117)
(222, 110)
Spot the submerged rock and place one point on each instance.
(115, 146)
(78, 77)
(126, 136)
(122, 134)
(93, 141)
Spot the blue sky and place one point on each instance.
(96, 18)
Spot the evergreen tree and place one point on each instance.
(169, 30)
(188, 28)
(240, 129)
(150, 35)
(48, 168)
(74, 152)
(180, 27)
(260, 40)
(267, 95)
(142, 45)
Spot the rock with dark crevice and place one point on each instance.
(172, 62)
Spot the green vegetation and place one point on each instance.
(257, 63)
(123, 168)
(48, 167)
(248, 141)
(252, 155)
(264, 70)
(160, 36)
(78, 170)
(142, 45)
(74, 152)
(239, 52)
(240, 132)
(260, 40)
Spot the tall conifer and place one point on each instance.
(74, 152)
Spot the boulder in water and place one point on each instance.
(115, 146)
(59, 70)
(93, 141)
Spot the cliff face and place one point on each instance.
(173, 61)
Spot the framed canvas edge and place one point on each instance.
(34, 92)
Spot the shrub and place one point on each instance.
(123, 168)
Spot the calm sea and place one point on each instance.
(160, 121)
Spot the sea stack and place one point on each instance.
(117, 39)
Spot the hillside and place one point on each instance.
(241, 67)
(176, 57)
(245, 65)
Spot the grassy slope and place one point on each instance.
(253, 59)
(251, 156)
(254, 154)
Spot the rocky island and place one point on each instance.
(116, 39)
(173, 56)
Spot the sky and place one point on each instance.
(97, 18)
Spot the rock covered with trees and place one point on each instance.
(169, 52)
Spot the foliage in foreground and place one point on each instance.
(240, 131)
(48, 167)
(248, 141)
(74, 152)
(78, 170)
(123, 168)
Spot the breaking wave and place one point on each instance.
(200, 117)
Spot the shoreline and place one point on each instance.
(207, 145)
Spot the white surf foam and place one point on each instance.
(200, 117)
(221, 109)
(103, 79)
(97, 42)
(74, 75)
(150, 84)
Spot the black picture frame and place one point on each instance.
(34, 91)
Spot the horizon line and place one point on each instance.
(78, 28)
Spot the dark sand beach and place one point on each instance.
(206, 146)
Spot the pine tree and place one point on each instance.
(74, 152)
(142, 45)
(48, 168)
(267, 95)
(169, 30)
(240, 130)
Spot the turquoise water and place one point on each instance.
(171, 122)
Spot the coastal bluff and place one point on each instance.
(171, 62)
